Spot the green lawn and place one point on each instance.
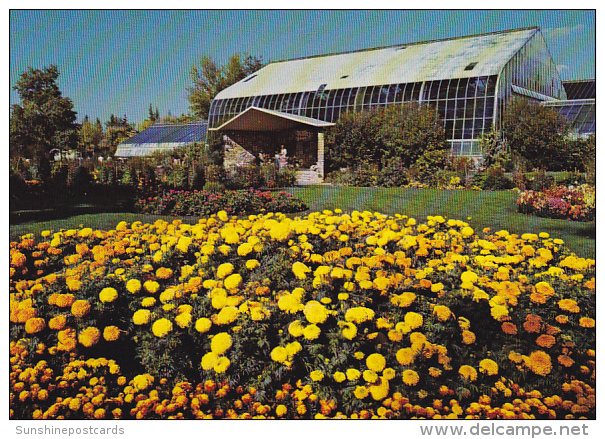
(495, 209)
(479, 208)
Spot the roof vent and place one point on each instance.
(470, 66)
(401, 47)
(344, 76)
(251, 77)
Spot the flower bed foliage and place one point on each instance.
(204, 203)
(576, 203)
(332, 315)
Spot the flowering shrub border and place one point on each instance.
(575, 203)
(204, 203)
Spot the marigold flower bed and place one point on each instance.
(203, 203)
(561, 202)
(332, 315)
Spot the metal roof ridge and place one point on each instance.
(409, 44)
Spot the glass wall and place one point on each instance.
(465, 105)
(580, 113)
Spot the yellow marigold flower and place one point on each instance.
(34, 325)
(57, 323)
(315, 312)
(73, 284)
(143, 381)
(151, 286)
(410, 377)
(544, 288)
(468, 337)
(361, 392)
(405, 356)
(317, 375)
(141, 317)
(233, 281)
(224, 270)
(111, 333)
(468, 372)
(353, 374)
(209, 360)
(311, 332)
(203, 325)
(349, 331)
(587, 322)
(251, 264)
(413, 320)
(442, 312)
(281, 410)
(300, 270)
(370, 376)
(80, 308)
(498, 312)
(515, 357)
(108, 295)
(148, 302)
(161, 327)
(279, 354)
(359, 314)
(375, 362)
(221, 365)
(339, 377)
(89, 336)
(133, 286)
(434, 372)
(295, 329)
(221, 342)
(489, 367)
(227, 315)
(183, 320)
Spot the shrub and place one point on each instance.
(214, 186)
(493, 178)
(405, 132)
(540, 181)
(79, 180)
(203, 203)
(245, 177)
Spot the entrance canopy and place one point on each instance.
(261, 119)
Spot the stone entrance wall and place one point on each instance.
(244, 147)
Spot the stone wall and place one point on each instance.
(244, 147)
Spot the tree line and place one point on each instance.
(44, 122)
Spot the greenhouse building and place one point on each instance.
(286, 105)
(162, 137)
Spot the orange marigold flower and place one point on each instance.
(569, 305)
(532, 323)
(57, 323)
(539, 362)
(545, 289)
(538, 298)
(561, 319)
(442, 312)
(509, 328)
(80, 308)
(468, 372)
(587, 322)
(545, 341)
(35, 324)
(564, 360)
(163, 273)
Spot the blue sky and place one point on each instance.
(121, 61)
